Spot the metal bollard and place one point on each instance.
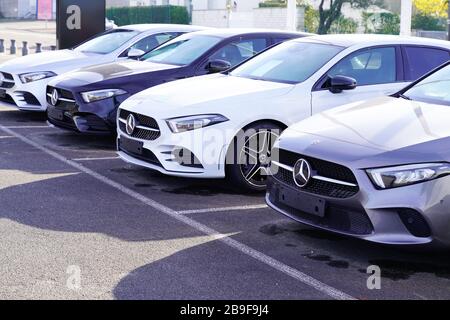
(2, 45)
(53, 48)
(24, 48)
(13, 47)
(38, 47)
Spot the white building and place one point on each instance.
(18, 8)
(237, 5)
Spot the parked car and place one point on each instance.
(376, 170)
(226, 123)
(89, 97)
(23, 81)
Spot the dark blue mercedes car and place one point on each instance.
(87, 100)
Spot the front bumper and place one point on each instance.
(412, 215)
(187, 154)
(97, 118)
(25, 96)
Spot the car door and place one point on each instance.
(378, 71)
(235, 51)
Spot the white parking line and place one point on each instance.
(95, 159)
(27, 127)
(224, 209)
(261, 257)
(7, 137)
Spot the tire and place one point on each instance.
(248, 156)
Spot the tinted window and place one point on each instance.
(290, 62)
(182, 51)
(368, 67)
(238, 51)
(107, 42)
(149, 43)
(419, 65)
(433, 89)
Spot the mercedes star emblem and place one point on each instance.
(302, 173)
(131, 124)
(54, 97)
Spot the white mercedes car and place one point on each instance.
(23, 81)
(224, 125)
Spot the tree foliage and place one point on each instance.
(381, 23)
(435, 8)
(331, 10)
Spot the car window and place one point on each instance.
(182, 51)
(151, 42)
(107, 42)
(238, 51)
(290, 62)
(418, 66)
(368, 67)
(433, 89)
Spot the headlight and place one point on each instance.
(386, 178)
(35, 76)
(189, 123)
(92, 96)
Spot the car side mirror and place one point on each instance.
(341, 83)
(218, 66)
(135, 53)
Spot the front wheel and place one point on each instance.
(249, 156)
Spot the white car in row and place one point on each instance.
(23, 81)
(225, 124)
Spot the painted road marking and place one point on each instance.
(223, 209)
(95, 159)
(261, 257)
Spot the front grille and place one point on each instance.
(143, 122)
(321, 168)
(318, 187)
(8, 83)
(347, 220)
(67, 99)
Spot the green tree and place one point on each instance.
(334, 11)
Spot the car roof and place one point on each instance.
(349, 40)
(231, 32)
(162, 27)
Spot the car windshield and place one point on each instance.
(182, 51)
(107, 42)
(433, 89)
(291, 62)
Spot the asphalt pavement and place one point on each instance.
(78, 223)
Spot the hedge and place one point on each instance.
(149, 14)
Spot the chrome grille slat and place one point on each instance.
(146, 128)
(330, 179)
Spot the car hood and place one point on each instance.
(57, 61)
(385, 130)
(211, 93)
(111, 71)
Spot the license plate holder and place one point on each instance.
(304, 202)
(132, 146)
(56, 114)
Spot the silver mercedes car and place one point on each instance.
(378, 170)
